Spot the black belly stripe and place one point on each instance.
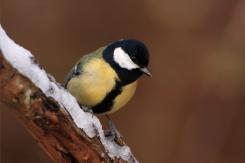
(107, 103)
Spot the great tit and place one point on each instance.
(105, 80)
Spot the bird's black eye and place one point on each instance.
(134, 58)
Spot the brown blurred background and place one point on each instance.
(193, 108)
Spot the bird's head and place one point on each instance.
(129, 58)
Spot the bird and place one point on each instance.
(104, 80)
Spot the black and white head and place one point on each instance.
(129, 58)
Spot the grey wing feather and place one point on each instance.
(77, 69)
(70, 75)
(74, 72)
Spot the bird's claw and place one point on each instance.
(114, 134)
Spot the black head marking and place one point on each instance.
(137, 52)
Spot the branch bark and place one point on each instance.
(49, 124)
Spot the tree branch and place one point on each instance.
(49, 113)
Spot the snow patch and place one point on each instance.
(22, 60)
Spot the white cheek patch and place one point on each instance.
(123, 59)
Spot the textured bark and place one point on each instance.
(46, 121)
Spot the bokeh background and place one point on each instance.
(193, 108)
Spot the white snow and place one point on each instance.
(23, 61)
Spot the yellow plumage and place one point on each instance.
(97, 79)
(122, 99)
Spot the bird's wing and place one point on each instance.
(73, 72)
(78, 68)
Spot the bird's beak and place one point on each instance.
(146, 71)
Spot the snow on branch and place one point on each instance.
(50, 113)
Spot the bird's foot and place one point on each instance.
(113, 133)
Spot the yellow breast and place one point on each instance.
(97, 79)
(95, 82)
(122, 99)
